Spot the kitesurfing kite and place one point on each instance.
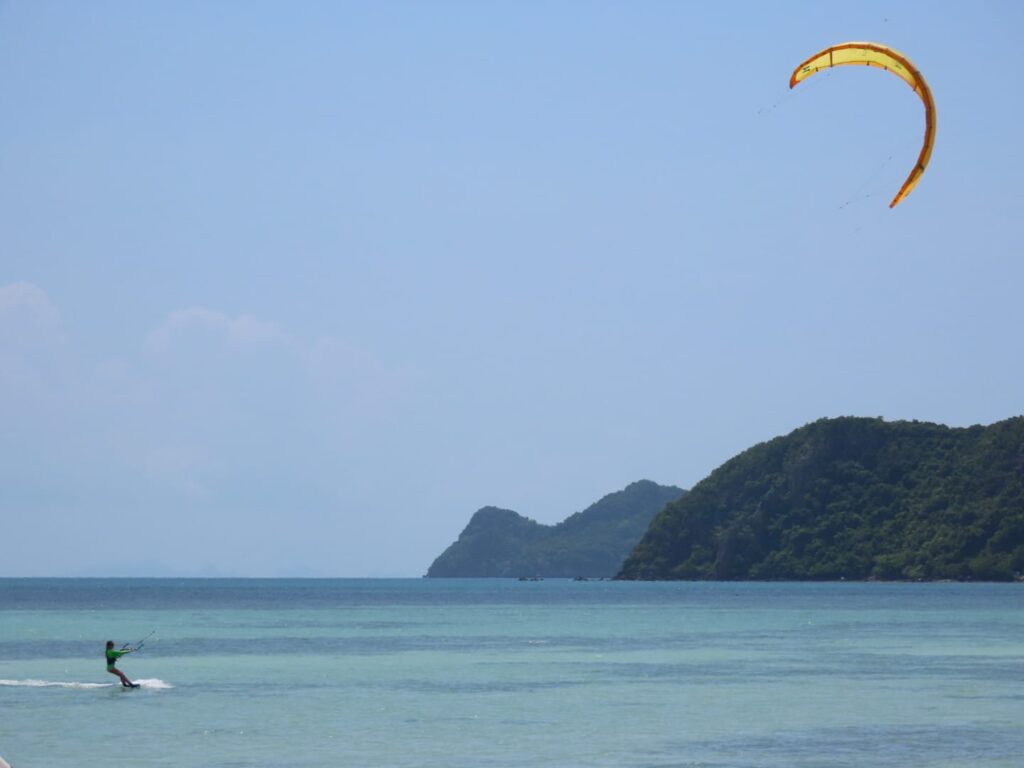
(883, 57)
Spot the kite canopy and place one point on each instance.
(883, 57)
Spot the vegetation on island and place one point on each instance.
(851, 498)
(591, 543)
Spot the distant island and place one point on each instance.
(589, 544)
(851, 498)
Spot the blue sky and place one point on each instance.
(295, 288)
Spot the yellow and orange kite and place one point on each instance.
(876, 55)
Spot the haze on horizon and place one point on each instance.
(294, 291)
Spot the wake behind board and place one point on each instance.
(150, 683)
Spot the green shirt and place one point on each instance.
(113, 656)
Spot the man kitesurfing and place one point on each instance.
(113, 655)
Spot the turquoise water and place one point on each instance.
(495, 673)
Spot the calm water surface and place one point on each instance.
(496, 673)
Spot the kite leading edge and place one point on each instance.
(883, 57)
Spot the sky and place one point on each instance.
(292, 289)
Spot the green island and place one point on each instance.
(851, 498)
(588, 544)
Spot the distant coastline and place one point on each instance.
(588, 544)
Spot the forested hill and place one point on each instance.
(851, 498)
(592, 543)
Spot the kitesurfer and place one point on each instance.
(112, 657)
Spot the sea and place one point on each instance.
(495, 673)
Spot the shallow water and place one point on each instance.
(495, 673)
